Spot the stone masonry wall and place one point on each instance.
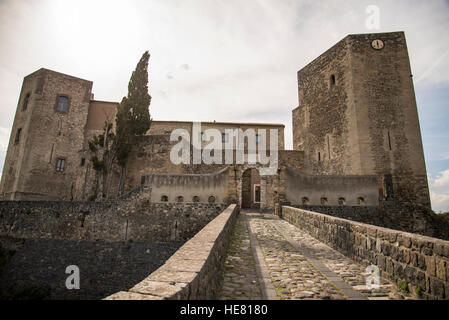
(421, 261)
(129, 220)
(105, 267)
(193, 272)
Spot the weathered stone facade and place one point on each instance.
(356, 140)
(357, 115)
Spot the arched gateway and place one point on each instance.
(251, 188)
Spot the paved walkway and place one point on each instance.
(269, 258)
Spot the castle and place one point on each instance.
(356, 140)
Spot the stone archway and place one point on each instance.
(251, 189)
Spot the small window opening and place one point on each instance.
(180, 199)
(83, 162)
(324, 201)
(361, 201)
(164, 199)
(18, 134)
(60, 164)
(332, 80)
(341, 201)
(211, 199)
(196, 199)
(63, 104)
(25, 101)
(305, 201)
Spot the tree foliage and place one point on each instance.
(133, 119)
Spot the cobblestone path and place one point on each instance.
(294, 265)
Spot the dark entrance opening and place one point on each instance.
(251, 189)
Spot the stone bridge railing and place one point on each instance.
(193, 272)
(419, 261)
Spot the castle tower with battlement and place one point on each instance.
(357, 115)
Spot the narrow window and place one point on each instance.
(164, 199)
(361, 201)
(18, 134)
(142, 180)
(203, 137)
(332, 80)
(224, 137)
(389, 140)
(83, 162)
(305, 201)
(319, 156)
(60, 164)
(341, 201)
(328, 147)
(25, 102)
(257, 138)
(63, 104)
(324, 201)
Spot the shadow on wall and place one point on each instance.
(37, 268)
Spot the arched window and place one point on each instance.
(305, 201)
(332, 80)
(180, 199)
(211, 199)
(196, 199)
(341, 201)
(164, 199)
(324, 201)
(361, 201)
(62, 104)
(25, 102)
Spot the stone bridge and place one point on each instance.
(298, 255)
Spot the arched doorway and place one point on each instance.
(251, 189)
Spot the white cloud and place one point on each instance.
(439, 191)
(440, 201)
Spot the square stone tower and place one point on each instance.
(47, 137)
(357, 115)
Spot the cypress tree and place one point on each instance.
(133, 116)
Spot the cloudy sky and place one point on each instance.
(230, 60)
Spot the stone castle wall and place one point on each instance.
(92, 221)
(421, 261)
(105, 267)
(357, 115)
(194, 271)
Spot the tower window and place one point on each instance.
(361, 201)
(62, 104)
(196, 199)
(180, 199)
(224, 137)
(319, 156)
(25, 102)
(305, 201)
(341, 201)
(324, 201)
(83, 162)
(332, 80)
(18, 134)
(60, 164)
(164, 199)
